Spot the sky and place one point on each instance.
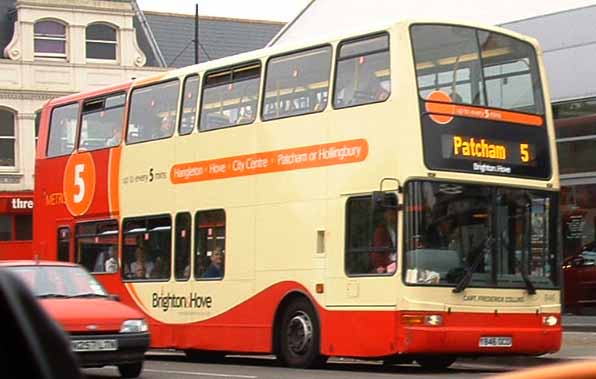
(285, 10)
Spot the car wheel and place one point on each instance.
(435, 363)
(299, 336)
(130, 370)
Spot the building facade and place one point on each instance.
(51, 48)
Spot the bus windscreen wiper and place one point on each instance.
(478, 254)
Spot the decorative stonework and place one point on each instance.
(12, 51)
(30, 95)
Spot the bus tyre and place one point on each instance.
(130, 370)
(299, 336)
(435, 363)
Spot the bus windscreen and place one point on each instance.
(481, 102)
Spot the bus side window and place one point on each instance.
(297, 83)
(371, 248)
(182, 247)
(210, 244)
(189, 105)
(230, 97)
(64, 244)
(146, 248)
(101, 124)
(153, 112)
(362, 73)
(97, 246)
(63, 130)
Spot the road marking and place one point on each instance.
(201, 374)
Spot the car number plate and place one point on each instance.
(495, 342)
(94, 345)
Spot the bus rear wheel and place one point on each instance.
(299, 336)
(436, 363)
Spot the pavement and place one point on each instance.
(573, 323)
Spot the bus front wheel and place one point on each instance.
(436, 362)
(299, 336)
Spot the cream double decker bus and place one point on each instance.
(389, 195)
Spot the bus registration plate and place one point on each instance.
(94, 345)
(495, 342)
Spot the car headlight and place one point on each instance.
(134, 326)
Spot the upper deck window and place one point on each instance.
(362, 74)
(230, 97)
(297, 83)
(153, 112)
(189, 104)
(477, 67)
(63, 130)
(101, 124)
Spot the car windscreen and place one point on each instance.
(59, 281)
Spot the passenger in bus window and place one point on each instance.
(216, 268)
(166, 127)
(385, 237)
(111, 264)
(141, 268)
(116, 137)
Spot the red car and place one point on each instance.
(102, 330)
(579, 273)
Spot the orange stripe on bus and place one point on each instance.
(451, 109)
(135, 296)
(113, 182)
(271, 161)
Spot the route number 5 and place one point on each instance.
(79, 183)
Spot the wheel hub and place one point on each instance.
(299, 333)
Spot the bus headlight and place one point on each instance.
(550, 320)
(134, 326)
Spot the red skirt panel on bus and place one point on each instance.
(247, 327)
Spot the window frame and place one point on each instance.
(286, 54)
(12, 138)
(48, 37)
(231, 69)
(365, 37)
(115, 43)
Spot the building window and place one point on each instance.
(101, 42)
(7, 138)
(575, 126)
(16, 228)
(50, 40)
(37, 121)
(5, 227)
